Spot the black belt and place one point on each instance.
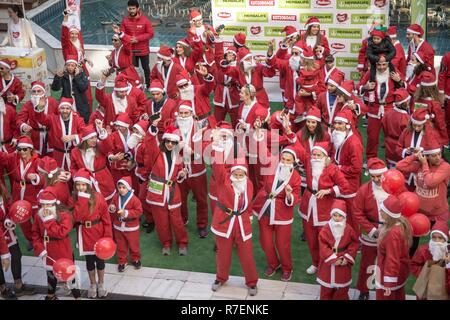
(87, 224)
(48, 239)
(169, 183)
(374, 221)
(206, 115)
(120, 69)
(40, 129)
(228, 211)
(228, 85)
(339, 250)
(312, 191)
(62, 150)
(6, 142)
(98, 170)
(127, 219)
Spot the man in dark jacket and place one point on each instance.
(74, 84)
(139, 28)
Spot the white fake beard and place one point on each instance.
(338, 138)
(35, 100)
(200, 30)
(437, 249)
(248, 65)
(337, 228)
(120, 104)
(379, 193)
(187, 93)
(284, 171)
(317, 166)
(233, 63)
(134, 140)
(185, 124)
(294, 62)
(410, 70)
(51, 209)
(239, 185)
(2, 105)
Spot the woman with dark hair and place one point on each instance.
(314, 39)
(20, 34)
(419, 66)
(187, 54)
(55, 179)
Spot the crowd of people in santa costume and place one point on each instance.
(98, 170)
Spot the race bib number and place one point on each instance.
(155, 187)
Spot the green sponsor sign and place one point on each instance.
(419, 13)
(343, 33)
(367, 18)
(294, 4)
(355, 47)
(324, 18)
(348, 62)
(353, 4)
(232, 30)
(253, 17)
(230, 3)
(355, 76)
(258, 45)
(273, 31)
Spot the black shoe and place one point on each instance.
(8, 294)
(30, 246)
(24, 291)
(303, 236)
(363, 296)
(215, 248)
(145, 225)
(54, 297)
(121, 267)
(202, 232)
(137, 264)
(150, 228)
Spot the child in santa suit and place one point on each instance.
(126, 209)
(92, 220)
(393, 261)
(433, 252)
(338, 244)
(51, 239)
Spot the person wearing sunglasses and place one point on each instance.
(163, 190)
(11, 89)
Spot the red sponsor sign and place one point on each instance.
(262, 3)
(380, 3)
(284, 17)
(342, 17)
(224, 15)
(323, 2)
(338, 46)
(255, 30)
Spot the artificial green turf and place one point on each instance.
(201, 257)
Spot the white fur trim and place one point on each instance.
(403, 101)
(378, 171)
(37, 86)
(154, 89)
(341, 119)
(391, 214)
(25, 145)
(5, 64)
(164, 57)
(182, 81)
(440, 232)
(90, 135)
(313, 118)
(335, 210)
(432, 151)
(71, 61)
(122, 89)
(243, 168)
(125, 184)
(84, 180)
(247, 56)
(122, 124)
(320, 149)
(170, 136)
(412, 31)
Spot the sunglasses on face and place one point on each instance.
(295, 53)
(22, 149)
(171, 142)
(114, 40)
(183, 85)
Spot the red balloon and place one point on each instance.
(410, 203)
(20, 211)
(392, 181)
(64, 269)
(420, 224)
(105, 248)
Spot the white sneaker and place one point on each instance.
(102, 292)
(92, 292)
(311, 270)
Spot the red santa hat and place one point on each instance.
(156, 86)
(378, 33)
(25, 142)
(123, 120)
(347, 87)
(299, 45)
(440, 227)
(392, 207)
(431, 145)
(427, 79)
(314, 114)
(416, 29)
(184, 42)
(311, 22)
(142, 126)
(181, 80)
(88, 132)
(6, 63)
(171, 133)
(47, 165)
(47, 196)
(240, 38)
(340, 207)
(84, 176)
(195, 16)
(165, 52)
(244, 53)
(239, 166)
(420, 116)
(345, 116)
(74, 28)
(292, 151)
(185, 105)
(376, 166)
(66, 102)
(37, 85)
(307, 53)
(126, 181)
(401, 96)
(336, 79)
(71, 58)
(225, 127)
(392, 31)
(290, 31)
(322, 146)
(231, 49)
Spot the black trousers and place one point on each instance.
(92, 262)
(145, 63)
(52, 282)
(16, 264)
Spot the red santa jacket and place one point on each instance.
(119, 144)
(330, 250)
(51, 238)
(8, 128)
(140, 27)
(14, 86)
(444, 76)
(363, 62)
(323, 42)
(393, 125)
(169, 79)
(168, 111)
(392, 260)
(201, 102)
(68, 48)
(56, 130)
(97, 114)
(188, 63)
(139, 169)
(122, 60)
(426, 49)
(92, 224)
(406, 139)
(9, 236)
(223, 223)
(349, 158)
(192, 137)
(289, 79)
(141, 99)
(29, 116)
(133, 210)
(399, 61)
(226, 92)
(437, 118)
(325, 74)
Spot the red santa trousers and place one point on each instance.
(198, 185)
(373, 137)
(145, 206)
(368, 256)
(398, 294)
(276, 243)
(165, 221)
(221, 112)
(312, 238)
(244, 252)
(334, 293)
(447, 115)
(127, 241)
